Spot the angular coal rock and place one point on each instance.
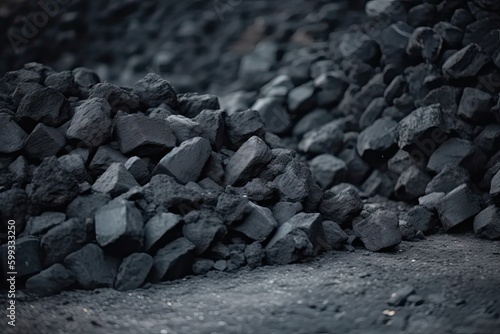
(326, 139)
(282, 211)
(431, 200)
(91, 123)
(301, 99)
(489, 139)
(422, 14)
(143, 136)
(118, 98)
(495, 189)
(451, 34)
(91, 268)
(46, 106)
(415, 128)
(425, 43)
(310, 121)
(341, 207)
(164, 191)
(247, 162)
(184, 128)
(379, 183)
(258, 224)
(242, 125)
(457, 207)
(357, 168)
(326, 168)
(479, 27)
(416, 219)
(115, 181)
(465, 63)
(153, 90)
(202, 266)
(85, 206)
(457, 152)
(103, 158)
(273, 114)
(378, 141)
(186, 161)
(191, 104)
(133, 271)
(160, 230)
(231, 208)
(312, 225)
(50, 281)
(214, 126)
(203, 228)
(450, 177)
(75, 164)
(393, 41)
(63, 82)
(289, 244)
(333, 236)
(256, 190)
(41, 224)
(28, 261)
(364, 48)
(400, 162)
(139, 170)
(411, 184)
(379, 231)
(63, 240)
(12, 136)
(14, 205)
(119, 227)
(20, 170)
(52, 186)
(487, 223)
(254, 254)
(173, 261)
(44, 142)
(85, 78)
(292, 184)
(475, 106)
(331, 87)
(373, 111)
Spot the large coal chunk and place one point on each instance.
(465, 63)
(457, 151)
(142, 136)
(289, 244)
(425, 43)
(379, 231)
(50, 281)
(52, 186)
(91, 268)
(495, 188)
(164, 191)
(153, 90)
(173, 261)
(411, 184)
(415, 128)
(85, 206)
(327, 138)
(62, 240)
(63, 82)
(231, 208)
(103, 158)
(191, 104)
(41, 224)
(214, 126)
(248, 161)
(160, 230)
(341, 207)
(14, 205)
(75, 164)
(139, 170)
(115, 181)
(46, 106)
(312, 225)
(203, 228)
(378, 141)
(118, 98)
(133, 271)
(91, 123)
(12, 136)
(258, 224)
(242, 125)
(457, 207)
(325, 168)
(475, 106)
(274, 115)
(333, 235)
(487, 223)
(450, 177)
(416, 219)
(119, 227)
(186, 161)
(44, 142)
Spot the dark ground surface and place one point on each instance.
(458, 276)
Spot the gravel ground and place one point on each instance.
(457, 276)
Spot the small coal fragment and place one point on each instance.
(282, 211)
(115, 181)
(465, 63)
(254, 254)
(242, 125)
(191, 104)
(14, 205)
(326, 168)
(457, 207)
(334, 237)
(186, 161)
(50, 281)
(411, 184)
(273, 114)
(160, 230)
(425, 43)
(133, 271)
(231, 208)
(63, 82)
(184, 128)
(430, 201)
(459, 152)
(39, 225)
(311, 224)
(289, 244)
(301, 99)
(475, 106)
(416, 219)
(248, 161)
(75, 164)
(91, 268)
(421, 122)
(118, 98)
(119, 227)
(173, 261)
(450, 177)
(258, 224)
(487, 223)
(12, 136)
(214, 126)
(91, 123)
(203, 228)
(46, 106)
(341, 207)
(202, 266)
(495, 189)
(103, 158)
(139, 170)
(27, 256)
(153, 90)
(85, 206)
(44, 142)
(62, 240)
(379, 231)
(378, 141)
(327, 138)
